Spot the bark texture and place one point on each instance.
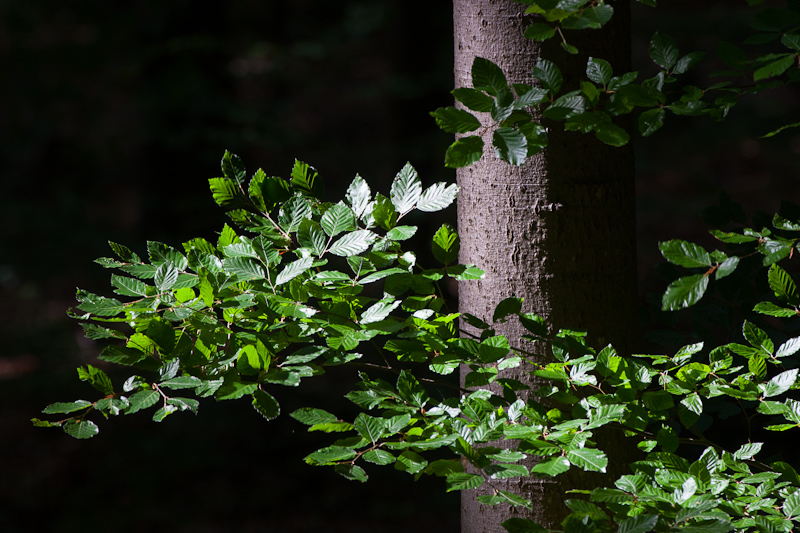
(558, 231)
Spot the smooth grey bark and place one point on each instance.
(558, 231)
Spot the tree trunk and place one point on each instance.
(558, 231)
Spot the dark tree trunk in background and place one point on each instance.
(558, 232)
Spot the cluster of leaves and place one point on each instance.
(772, 244)
(559, 15)
(236, 317)
(513, 110)
(667, 403)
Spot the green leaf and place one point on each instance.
(379, 275)
(95, 332)
(488, 77)
(128, 286)
(539, 31)
(463, 481)
(293, 212)
(599, 71)
(552, 467)
(162, 334)
(663, 50)
(684, 292)
(639, 524)
(757, 338)
(293, 269)
(379, 311)
(339, 218)
(506, 471)
(124, 253)
(330, 455)
(474, 99)
(311, 416)
(454, 120)
(790, 347)
(748, 451)
(446, 244)
(726, 268)
(225, 192)
(757, 365)
(566, 106)
(780, 383)
(791, 506)
(464, 152)
(142, 400)
(437, 197)
(98, 305)
(406, 189)
(775, 68)
(777, 131)
(410, 389)
(378, 457)
(769, 308)
(352, 472)
(410, 462)
(358, 196)
(505, 497)
(97, 378)
(597, 16)
(588, 459)
(610, 495)
(266, 405)
(659, 400)
(166, 277)
(80, 429)
(611, 134)
(549, 75)
(783, 285)
(510, 145)
(651, 121)
(383, 212)
(121, 355)
(685, 254)
(305, 180)
(181, 382)
(275, 191)
(243, 268)
(310, 235)
(233, 168)
(66, 407)
(465, 272)
(353, 243)
(233, 389)
(509, 306)
(401, 233)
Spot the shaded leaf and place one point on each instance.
(663, 50)
(464, 152)
(488, 77)
(265, 404)
(684, 292)
(454, 120)
(80, 429)
(510, 145)
(446, 244)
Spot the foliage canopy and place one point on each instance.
(297, 285)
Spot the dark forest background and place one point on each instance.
(112, 118)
